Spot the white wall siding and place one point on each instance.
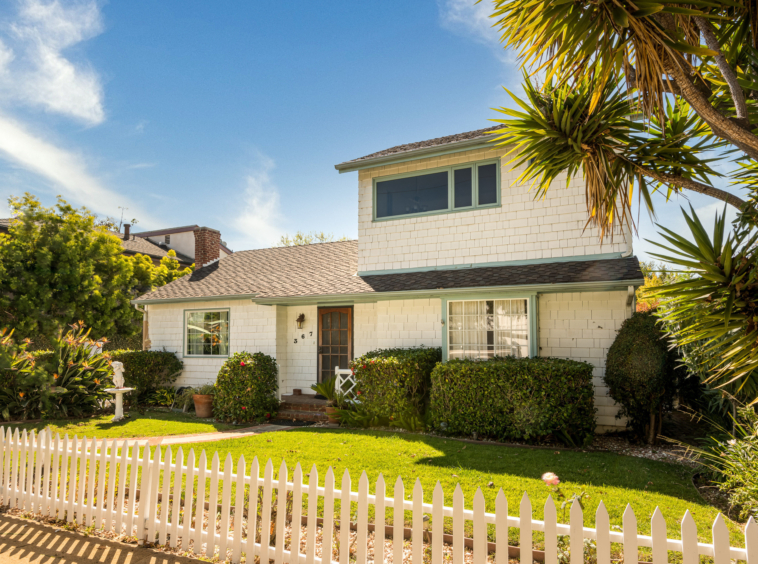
(521, 229)
(364, 328)
(299, 369)
(252, 328)
(583, 326)
(409, 323)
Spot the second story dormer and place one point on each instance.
(454, 202)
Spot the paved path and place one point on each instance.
(26, 542)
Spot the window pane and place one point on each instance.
(208, 333)
(415, 194)
(462, 178)
(487, 328)
(487, 184)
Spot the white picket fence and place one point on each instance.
(94, 483)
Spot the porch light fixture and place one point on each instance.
(300, 320)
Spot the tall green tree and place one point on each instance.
(644, 95)
(57, 267)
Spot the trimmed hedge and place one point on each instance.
(147, 371)
(514, 398)
(394, 382)
(246, 388)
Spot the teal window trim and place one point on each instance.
(474, 165)
(184, 332)
(532, 317)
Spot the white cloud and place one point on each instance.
(34, 70)
(260, 218)
(63, 168)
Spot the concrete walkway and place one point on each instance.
(26, 542)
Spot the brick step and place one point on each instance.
(301, 415)
(287, 406)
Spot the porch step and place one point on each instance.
(301, 414)
(292, 406)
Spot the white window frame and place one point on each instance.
(185, 337)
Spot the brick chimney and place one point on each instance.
(207, 246)
(127, 231)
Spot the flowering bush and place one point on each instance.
(514, 398)
(395, 382)
(24, 387)
(246, 388)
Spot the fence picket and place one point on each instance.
(81, 503)
(60, 506)
(22, 468)
(551, 532)
(239, 506)
(631, 549)
(362, 520)
(153, 500)
(110, 491)
(188, 489)
(165, 506)
(281, 513)
(212, 508)
(576, 532)
(720, 541)
(751, 541)
(480, 529)
(197, 539)
(603, 528)
(327, 532)
(658, 534)
(525, 529)
(689, 540)
(91, 471)
(176, 504)
(310, 541)
(458, 525)
(379, 513)
(297, 512)
(501, 528)
(146, 512)
(40, 467)
(132, 488)
(438, 502)
(54, 483)
(268, 480)
(226, 496)
(73, 465)
(345, 518)
(123, 473)
(417, 524)
(4, 453)
(7, 476)
(101, 485)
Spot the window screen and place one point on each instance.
(207, 333)
(484, 329)
(487, 183)
(415, 194)
(462, 183)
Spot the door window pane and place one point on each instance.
(487, 182)
(463, 194)
(415, 194)
(207, 333)
(482, 329)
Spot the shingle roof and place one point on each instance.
(135, 245)
(448, 139)
(330, 269)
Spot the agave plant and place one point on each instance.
(717, 307)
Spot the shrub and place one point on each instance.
(148, 371)
(514, 398)
(246, 388)
(395, 382)
(24, 386)
(641, 375)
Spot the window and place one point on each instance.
(460, 187)
(167, 239)
(207, 333)
(482, 329)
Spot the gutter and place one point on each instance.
(138, 301)
(413, 154)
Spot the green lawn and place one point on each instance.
(153, 423)
(615, 479)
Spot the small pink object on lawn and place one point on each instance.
(550, 479)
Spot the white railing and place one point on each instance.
(345, 381)
(95, 483)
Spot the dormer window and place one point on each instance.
(167, 239)
(439, 190)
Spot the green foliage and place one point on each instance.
(24, 386)
(184, 398)
(301, 238)
(514, 398)
(326, 388)
(163, 396)
(57, 267)
(642, 375)
(246, 388)
(394, 382)
(148, 371)
(79, 376)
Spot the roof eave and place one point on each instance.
(139, 301)
(413, 154)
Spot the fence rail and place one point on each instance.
(95, 483)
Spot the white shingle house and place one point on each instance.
(450, 253)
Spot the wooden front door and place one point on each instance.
(335, 340)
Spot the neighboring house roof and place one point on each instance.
(5, 224)
(135, 245)
(172, 230)
(459, 139)
(329, 269)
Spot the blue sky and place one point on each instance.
(233, 114)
